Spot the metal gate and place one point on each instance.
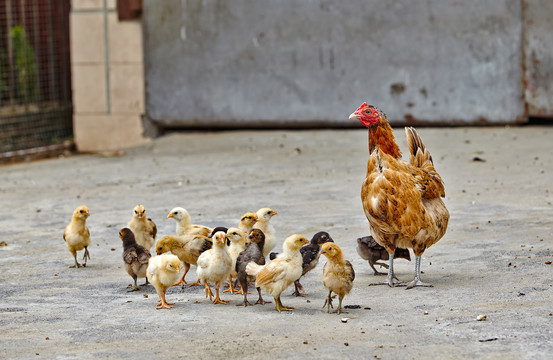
(35, 76)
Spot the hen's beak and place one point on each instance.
(354, 115)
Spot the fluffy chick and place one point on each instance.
(135, 256)
(162, 272)
(264, 215)
(338, 274)
(310, 254)
(237, 240)
(143, 228)
(247, 221)
(77, 236)
(252, 252)
(184, 226)
(214, 266)
(187, 248)
(281, 272)
(370, 250)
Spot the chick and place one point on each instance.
(162, 272)
(237, 240)
(310, 254)
(338, 274)
(214, 266)
(143, 228)
(135, 256)
(371, 251)
(184, 227)
(281, 272)
(188, 248)
(264, 215)
(77, 236)
(247, 221)
(252, 252)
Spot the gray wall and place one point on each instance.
(300, 63)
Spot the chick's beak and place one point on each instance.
(275, 213)
(170, 215)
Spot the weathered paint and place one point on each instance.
(243, 63)
(538, 57)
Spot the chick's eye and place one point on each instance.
(82, 212)
(136, 212)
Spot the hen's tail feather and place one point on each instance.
(418, 151)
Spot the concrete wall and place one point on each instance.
(298, 63)
(108, 77)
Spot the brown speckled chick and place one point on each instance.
(371, 251)
(135, 257)
(252, 252)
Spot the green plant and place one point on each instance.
(25, 63)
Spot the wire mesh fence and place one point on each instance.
(35, 75)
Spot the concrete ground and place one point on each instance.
(494, 260)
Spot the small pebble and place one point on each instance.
(426, 313)
(481, 318)
(345, 319)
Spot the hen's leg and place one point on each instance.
(417, 281)
(391, 280)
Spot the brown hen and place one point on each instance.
(402, 200)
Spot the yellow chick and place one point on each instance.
(184, 226)
(187, 248)
(247, 221)
(278, 274)
(237, 244)
(77, 235)
(144, 228)
(264, 215)
(162, 273)
(338, 274)
(214, 266)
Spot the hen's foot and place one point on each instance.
(416, 283)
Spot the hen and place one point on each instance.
(281, 272)
(162, 272)
(135, 257)
(338, 274)
(186, 248)
(252, 252)
(402, 200)
(184, 226)
(264, 215)
(77, 236)
(310, 254)
(214, 266)
(371, 251)
(143, 228)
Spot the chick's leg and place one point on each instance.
(299, 289)
(181, 281)
(86, 254)
(230, 287)
(164, 304)
(417, 281)
(77, 265)
(208, 291)
(328, 302)
(260, 301)
(135, 285)
(244, 285)
(376, 272)
(217, 299)
(278, 305)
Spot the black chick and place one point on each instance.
(252, 252)
(135, 257)
(310, 254)
(371, 251)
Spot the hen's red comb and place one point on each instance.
(362, 106)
